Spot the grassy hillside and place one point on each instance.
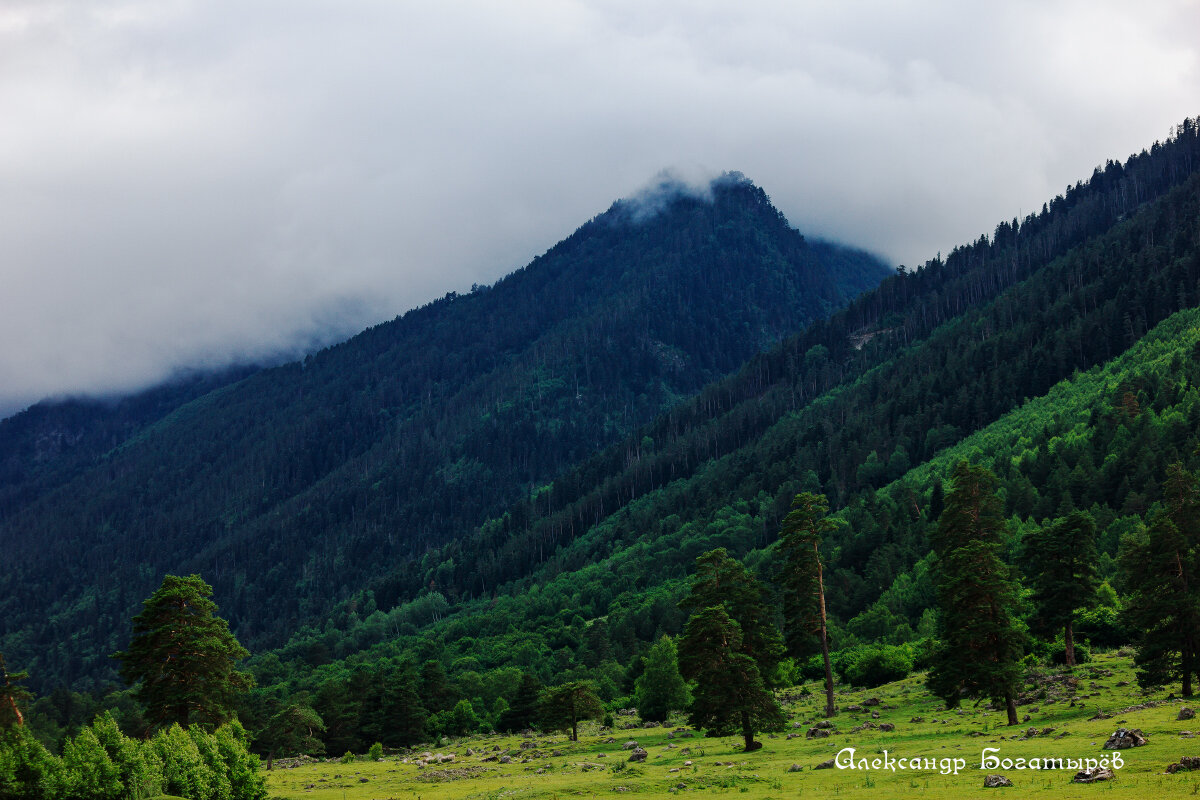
(1061, 710)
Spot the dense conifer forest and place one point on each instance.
(1035, 391)
(292, 487)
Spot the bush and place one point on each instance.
(27, 770)
(874, 665)
(376, 752)
(1101, 626)
(347, 757)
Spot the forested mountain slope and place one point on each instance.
(1072, 404)
(902, 372)
(289, 489)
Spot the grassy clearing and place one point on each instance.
(557, 768)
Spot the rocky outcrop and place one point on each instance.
(1125, 738)
(1093, 775)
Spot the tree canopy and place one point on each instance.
(182, 657)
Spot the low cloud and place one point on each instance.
(190, 184)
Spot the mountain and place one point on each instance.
(291, 488)
(1029, 350)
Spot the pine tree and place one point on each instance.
(1060, 560)
(804, 581)
(562, 707)
(12, 696)
(1161, 571)
(722, 580)
(729, 695)
(294, 731)
(980, 644)
(660, 689)
(182, 657)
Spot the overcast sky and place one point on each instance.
(188, 183)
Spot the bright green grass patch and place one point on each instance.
(595, 768)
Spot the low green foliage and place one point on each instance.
(100, 763)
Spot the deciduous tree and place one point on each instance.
(660, 689)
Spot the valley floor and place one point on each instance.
(1068, 716)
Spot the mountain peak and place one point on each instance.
(670, 186)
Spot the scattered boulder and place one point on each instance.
(918, 719)
(996, 781)
(505, 759)
(1186, 713)
(824, 724)
(1186, 764)
(1123, 739)
(854, 707)
(796, 768)
(630, 745)
(871, 701)
(1093, 775)
(887, 727)
(528, 745)
(823, 765)
(817, 733)
(638, 754)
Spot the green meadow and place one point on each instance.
(1069, 714)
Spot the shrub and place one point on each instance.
(27, 770)
(376, 752)
(874, 665)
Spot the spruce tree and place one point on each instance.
(660, 689)
(1060, 562)
(523, 711)
(980, 645)
(729, 695)
(804, 581)
(1161, 571)
(182, 657)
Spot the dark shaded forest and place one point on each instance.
(292, 487)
